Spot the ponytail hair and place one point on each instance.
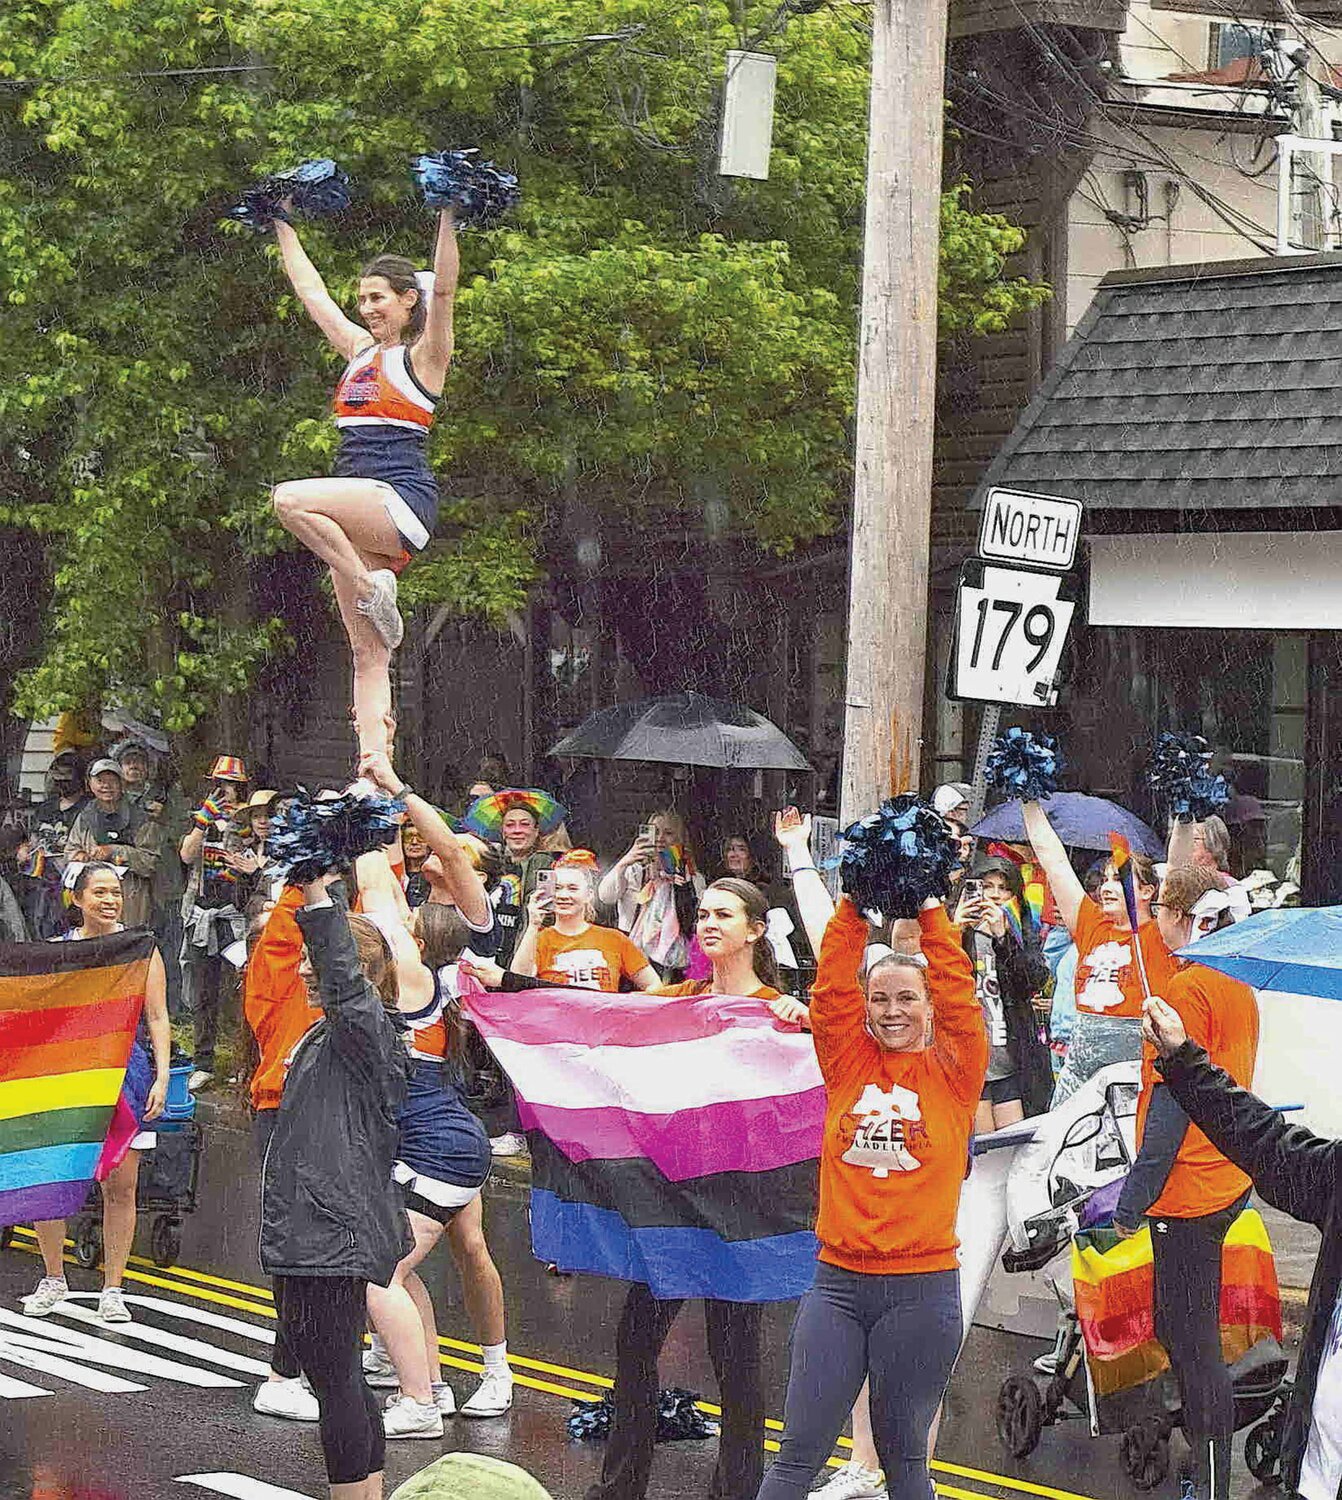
(756, 905)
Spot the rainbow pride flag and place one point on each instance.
(1115, 1303)
(68, 1013)
(674, 1141)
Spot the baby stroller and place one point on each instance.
(169, 1181)
(1066, 1182)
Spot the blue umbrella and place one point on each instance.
(1079, 820)
(1294, 948)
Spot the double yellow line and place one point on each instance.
(260, 1302)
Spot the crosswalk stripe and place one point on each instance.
(46, 1338)
(146, 1333)
(203, 1316)
(14, 1352)
(240, 1487)
(18, 1390)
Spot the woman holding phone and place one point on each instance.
(655, 886)
(563, 945)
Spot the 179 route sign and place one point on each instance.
(1011, 627)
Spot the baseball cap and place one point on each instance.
(106, 763)
(949, 796)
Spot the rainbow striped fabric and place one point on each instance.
(68, 1013)
(674, 1140)
(1115, 1302)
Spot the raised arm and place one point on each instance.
(463, 884)
(432, 352)
(524, 955)
(342, 333)
(838, 1007)
(959, 1038)
(1063, 880)
(815, 906)
(1179, 854)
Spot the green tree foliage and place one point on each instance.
(664, 344)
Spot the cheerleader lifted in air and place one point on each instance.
(380, 506)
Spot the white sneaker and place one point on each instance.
(508, 1144)
(290, 1399)
(443, 1398)
(51, 1291)
(406, 1418)
(379, 1371)
(112, 1306)
(852, 1482)
(198, 1080)
(380, 608)
(493, 1396)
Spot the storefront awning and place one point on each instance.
(1241, 580)
(1192, 388)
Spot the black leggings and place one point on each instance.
(733, 1347)
(1187, 1255)
(322, 1319)
(901, 1331)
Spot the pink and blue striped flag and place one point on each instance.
(674, 1141)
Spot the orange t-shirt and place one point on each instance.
(897, 1124)
(594, 960)
(275, 999)
(1220, 1014)
(1107, 980)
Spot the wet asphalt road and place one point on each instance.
(125, 1425)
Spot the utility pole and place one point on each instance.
(892, 500)
(1311, 120)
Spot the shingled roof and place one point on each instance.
(1207, 387)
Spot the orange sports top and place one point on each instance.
(1220, 1014)
(1107, 981)
(897, 1124)
(275, 999)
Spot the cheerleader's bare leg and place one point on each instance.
(344, 522)
(372, 671)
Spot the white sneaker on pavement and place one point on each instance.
(510, 1143)
(380, 608)
(290, 1399)
(198, 1080)
(493, 1396)
(379, 1371)
(112, 1306)
(443, 1398)
(406, 1418)
(852, 1482)
(51, 1291)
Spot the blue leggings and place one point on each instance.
(903, 1332)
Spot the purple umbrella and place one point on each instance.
(1079, 820)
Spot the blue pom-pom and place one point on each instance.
(1023, 766)
(590, 1421)
(1180, 774)
(678, 1418)
(316, 189)
(311, 837)
(895, 858)
(480, 192)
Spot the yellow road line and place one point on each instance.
(206, 1293)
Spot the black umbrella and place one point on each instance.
(686, 729)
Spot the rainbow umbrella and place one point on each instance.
(485, 815)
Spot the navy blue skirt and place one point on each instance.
(440, 1138)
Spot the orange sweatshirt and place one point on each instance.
(275, 999)
(897, 1124)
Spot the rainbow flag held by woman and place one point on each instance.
(1115, 1302)
(68, 1013)
(673, 1141)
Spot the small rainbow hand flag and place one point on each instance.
(68, 1013)
(1126, 875)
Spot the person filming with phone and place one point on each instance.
(562, 944)
(655, 885)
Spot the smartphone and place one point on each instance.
(648, 831)
(971, 890)
(545, 886)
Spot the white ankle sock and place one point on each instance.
(496, 1359)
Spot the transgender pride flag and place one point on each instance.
(68, 1013)
(674, 1141)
